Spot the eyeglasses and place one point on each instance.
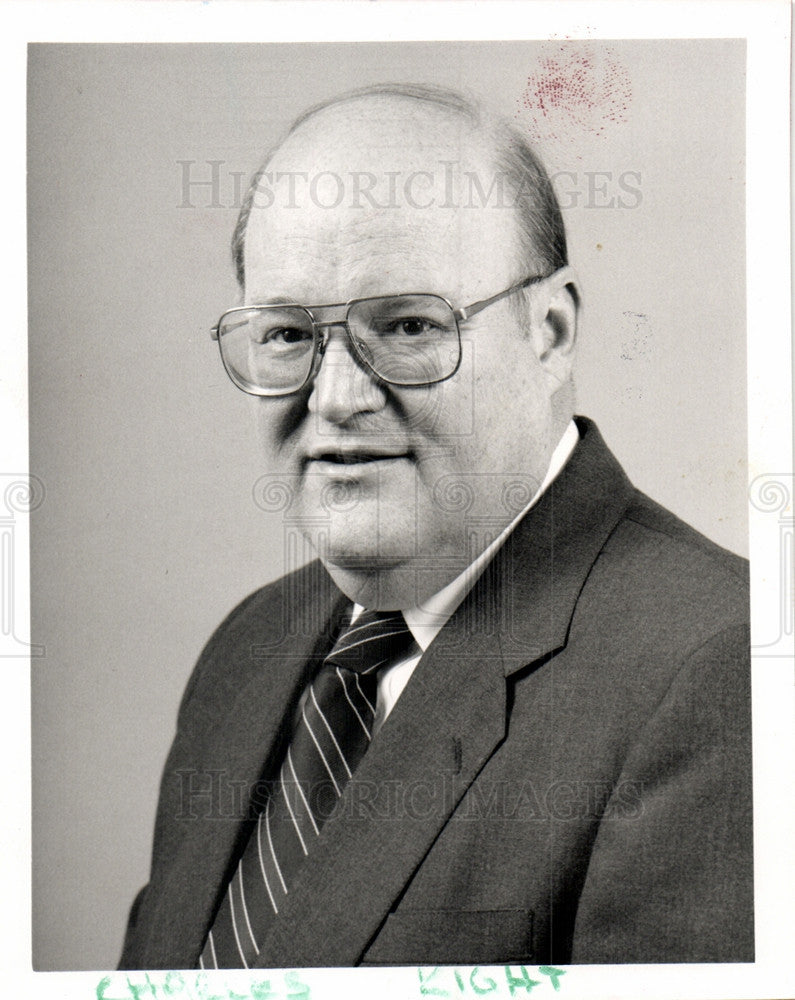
(403, 340)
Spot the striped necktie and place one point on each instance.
(330, 738)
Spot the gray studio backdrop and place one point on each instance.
(152, 526)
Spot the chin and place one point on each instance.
(363, 554)
(365, 572)
(380, 567)
(355, 544)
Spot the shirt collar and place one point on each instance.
(425, 621)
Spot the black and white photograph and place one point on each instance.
(396, 505)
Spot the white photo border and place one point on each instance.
(766, 26)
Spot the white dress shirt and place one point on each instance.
(426, 620)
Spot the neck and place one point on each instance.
(393, 588)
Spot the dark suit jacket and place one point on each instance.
(566, 778)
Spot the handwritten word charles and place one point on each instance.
(199, 986)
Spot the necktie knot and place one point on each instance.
(375, 638)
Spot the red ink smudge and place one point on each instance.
(576, 89)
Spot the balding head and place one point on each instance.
(475, 158)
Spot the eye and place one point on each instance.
(291, 335)
(282, 336)
(412, 326)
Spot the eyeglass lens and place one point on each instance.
(405, 340)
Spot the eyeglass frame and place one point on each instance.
(320, 341)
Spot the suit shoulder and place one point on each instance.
(254, 611)
(660, 569)
(651, 515)
(259, 620)
(307, 583)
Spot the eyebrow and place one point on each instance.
(275, 300)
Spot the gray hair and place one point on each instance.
(541, 229)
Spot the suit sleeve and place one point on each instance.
(179, 756)
(128, 954)
(670, 878)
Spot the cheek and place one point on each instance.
(444, 412)
(418, 417)
(276, 423)
(511, 413)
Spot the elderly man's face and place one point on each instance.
(400, 488)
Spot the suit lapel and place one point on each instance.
(450, 718)
(540, 571)
(248, 731)
(442, 730)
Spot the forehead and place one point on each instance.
(377, 196)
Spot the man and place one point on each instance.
(506, 716)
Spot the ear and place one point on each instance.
(558, 301)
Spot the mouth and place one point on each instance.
(344, 458)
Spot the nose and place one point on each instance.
(342, 388)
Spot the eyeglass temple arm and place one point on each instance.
(214, 330)
(465, 312)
